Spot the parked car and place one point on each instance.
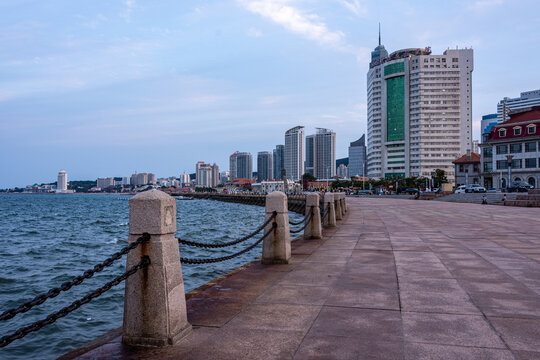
(460, 189)
(475, 188)
(520, 186)
(411, 191)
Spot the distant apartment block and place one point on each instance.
(244, 165)
(233, 165)
(104, 183)
(525, 100)
(294, 153)
(265, 165)
(139, 179)
(279, 161)
(61, 183)
(357, 157)
(206, 175)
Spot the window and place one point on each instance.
(530, 147)
(502, 164)
(515, 148)
(531, 129)
(460, 168)
(530, 163)
(516, 164)
(517, 130)
(488, 152)
(502, 132)
(502, 149)
(454, 59)
(488, 166)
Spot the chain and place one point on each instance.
(206, 245)
(22, 332)
(40, 299)
(303, 227)
(303, 220)
(214, 260)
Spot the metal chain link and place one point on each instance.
(22, 332)
(303, 220)
(303, 227)
(207, 245)
(40, 299)
(214, 260)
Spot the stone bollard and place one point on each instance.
(330, 220)
(337, 204)
(155, 303)
(344, 203)
(313, 230)
(277, 246)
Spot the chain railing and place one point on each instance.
(242, 239)
(40, 299)
(224, 258)
(306, 221)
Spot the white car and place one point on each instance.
(475, 188)
(460, 189)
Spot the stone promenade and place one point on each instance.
(397, 279)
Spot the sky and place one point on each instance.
(108, 88)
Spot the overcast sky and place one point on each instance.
(107, 88)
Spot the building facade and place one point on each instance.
(233, 165)
(265, 165)
(61, 183)
(526, 100)
(325, 153)
(511, 151)
(467, 169)
(104, 183)
(279, 161)
(309, 165)
(294, 153)
(419, 111)
(244, 166)
(357, 157)
(488, 121)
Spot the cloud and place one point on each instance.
(305, 24)
(269, 100)
(354, 6)
(485, 4)
(291, 18)
(252, 32)
(128, 8)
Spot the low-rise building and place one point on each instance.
(511, 150)
(467, 169)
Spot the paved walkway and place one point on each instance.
(398, 279)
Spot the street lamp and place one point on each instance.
(509, 163)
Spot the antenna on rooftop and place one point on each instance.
(379, 34)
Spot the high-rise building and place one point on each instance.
(265, 165)
(151, 179)
(215, 175)
(279, 161)
(525, 100)
(325, 154)
(224, 177)
(184, 179)
(309, 165)
(294, 153)
(488, 121)
(233, 165)
(139, 179)
(104, 183)
(206, 175)
(357, 157)
(244, 165)
(342, 171)
(419, 111)
(61, 183)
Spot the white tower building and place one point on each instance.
(61, 184)
(419, 111)
(294, 153)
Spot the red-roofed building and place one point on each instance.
(514, 142)
(467, 169)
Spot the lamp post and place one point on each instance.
(509, 163)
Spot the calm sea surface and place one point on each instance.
(49, 239)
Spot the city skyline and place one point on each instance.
(121, 86)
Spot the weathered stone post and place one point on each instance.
(313, 230)
(277, 245)
(330, 220)
(154, 304)
(344, 203)
(337, 204)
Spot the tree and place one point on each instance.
(440, 177)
